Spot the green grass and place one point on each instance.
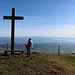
(38, 64)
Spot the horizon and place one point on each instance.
(45, 18)
(38, 37)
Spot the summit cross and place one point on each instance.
(13, 18)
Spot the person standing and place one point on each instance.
(28, 46)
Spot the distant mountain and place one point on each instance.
(36, 39)
(4, 39)
(41, 44)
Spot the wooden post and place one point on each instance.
(7, 46)
(58, 49)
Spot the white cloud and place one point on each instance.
(53, 31)
(62, 31)
(57, 31)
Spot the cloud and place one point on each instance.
(56, 31)
(52, 31)
(61, 31)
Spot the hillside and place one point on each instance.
(38, 64)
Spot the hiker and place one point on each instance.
(28, 46)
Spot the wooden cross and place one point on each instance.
(13, 18)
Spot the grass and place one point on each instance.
(38, 64)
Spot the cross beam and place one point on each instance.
(13, 18)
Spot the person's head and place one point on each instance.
(29, 39)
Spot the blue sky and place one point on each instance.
(54, 18)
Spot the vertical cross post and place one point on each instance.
(12, 31)
(13, 18)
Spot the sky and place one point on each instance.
(50, 18)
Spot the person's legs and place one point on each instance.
(27, 52)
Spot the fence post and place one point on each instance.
(58, 49)
(7, 46)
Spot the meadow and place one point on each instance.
(37, 64)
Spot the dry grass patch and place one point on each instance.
(38, 64)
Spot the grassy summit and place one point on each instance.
(38, 64)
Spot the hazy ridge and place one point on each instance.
(41, 44)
